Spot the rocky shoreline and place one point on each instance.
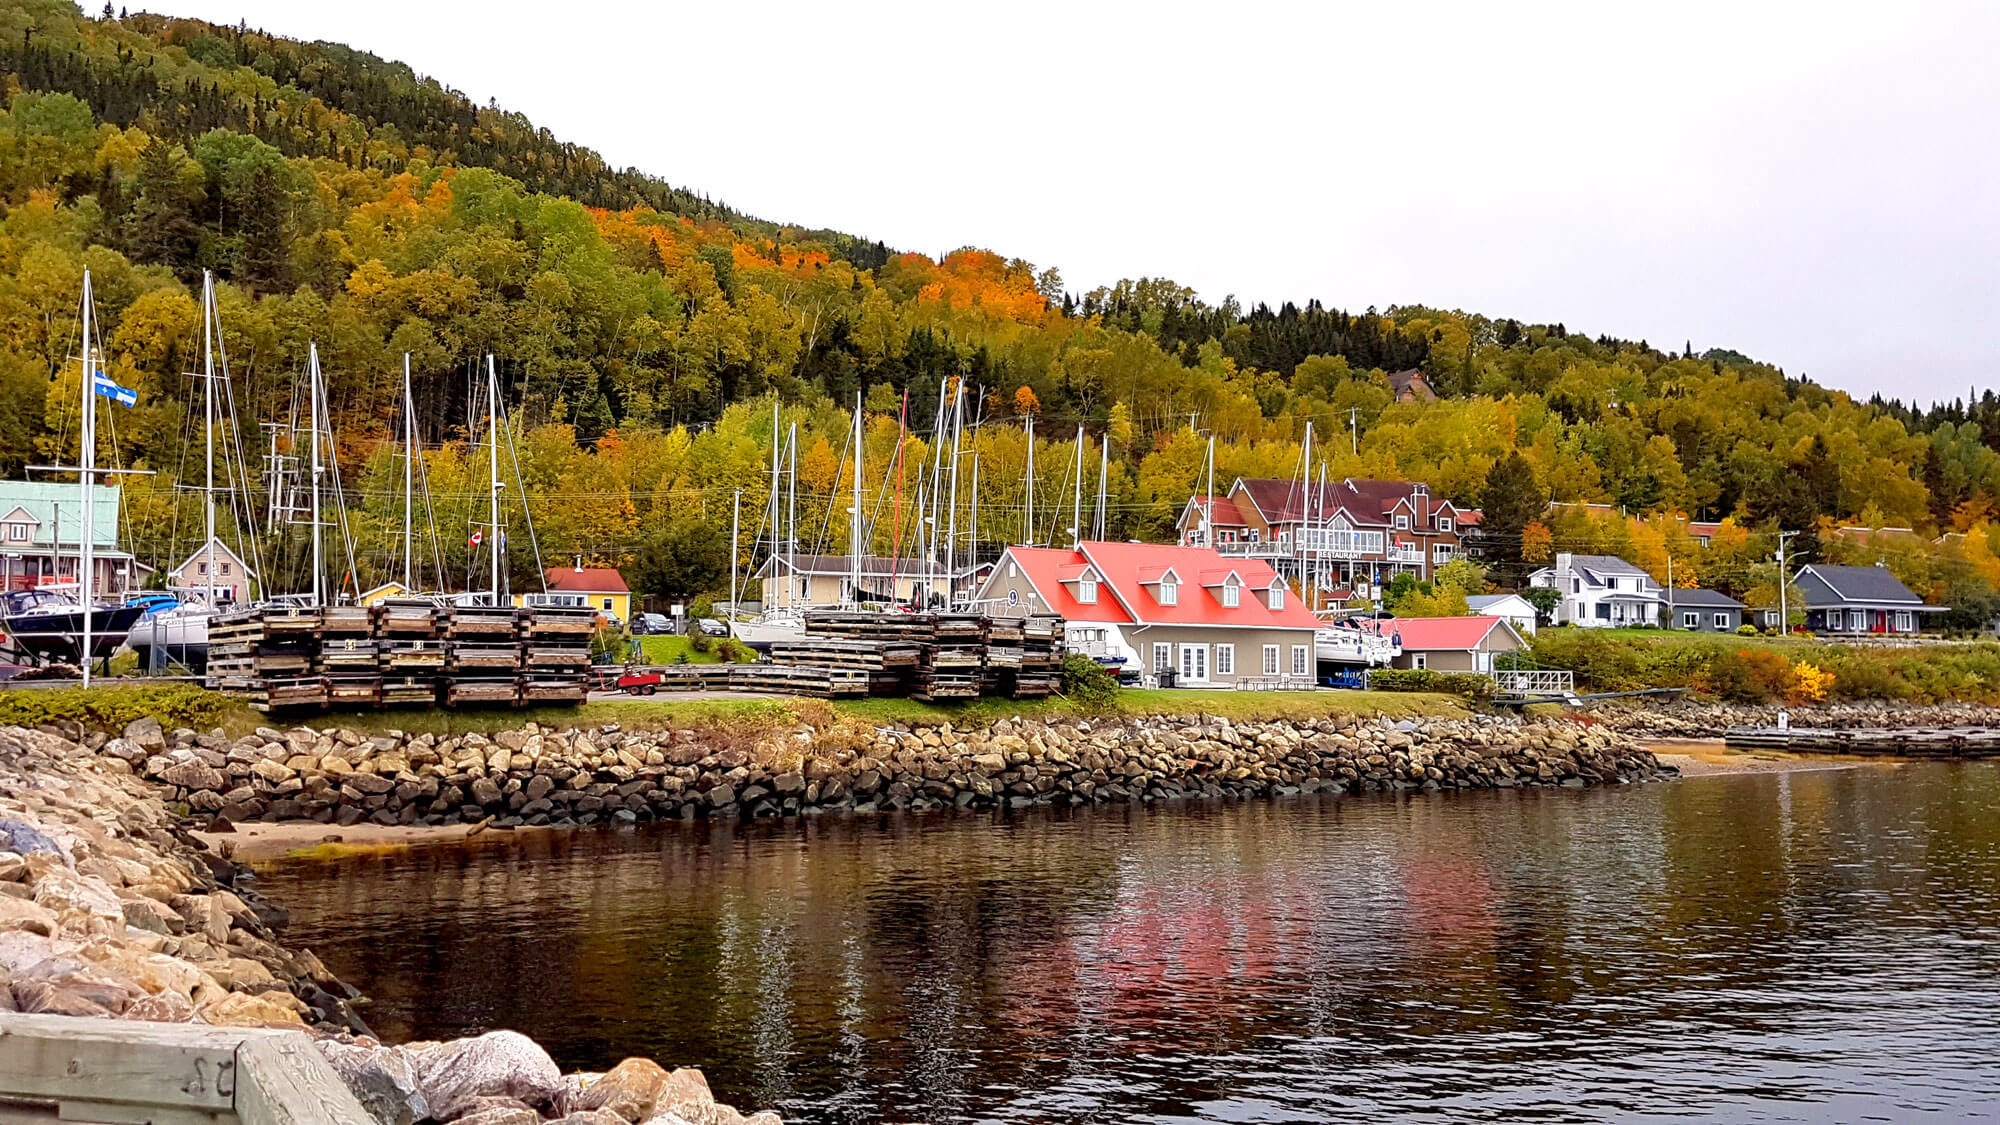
(110, 909)
(540, 776)
(1691, 719)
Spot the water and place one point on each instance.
(1811, 947)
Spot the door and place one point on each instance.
(1194, 663)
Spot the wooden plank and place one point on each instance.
(115, 1062)
(283, 1080)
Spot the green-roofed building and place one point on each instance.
(41, 528)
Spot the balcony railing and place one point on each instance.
(1411, 555)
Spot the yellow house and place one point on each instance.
(601, 588)
(381, 594)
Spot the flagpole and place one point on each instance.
(88, 477)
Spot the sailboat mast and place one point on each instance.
(735, 527)
(1098, 530)
(951, 520)
(493, 463)
(1028, 490)
(1076, 501)
(87, 476)
(409, 480)
(854, 519)
(313, 416)
(208, 423)
(1209, 538)
(791, 515)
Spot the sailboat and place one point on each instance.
(44, 624)
(777, 622)
(180, 634)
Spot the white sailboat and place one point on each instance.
(776, 622)
(180, 634)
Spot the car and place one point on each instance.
(710, 627)
(650, 624)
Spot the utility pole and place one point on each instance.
(735, 526)
(1028, 490)
(1354, 427)
(1784, 580)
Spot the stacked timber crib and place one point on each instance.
(927, 656)
(401, 653)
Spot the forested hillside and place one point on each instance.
(643, 331)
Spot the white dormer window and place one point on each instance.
(17, 533)
(1170, 591)
(1402, 523)
(1444, 523)
(1232, 595)
(1086, 590)
(1277, 597)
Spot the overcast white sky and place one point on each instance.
(1813, 184)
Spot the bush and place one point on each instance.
(701, 642)
(1746, 630)
(1471, 685)
(1087, 683)
(110, 708)
(1748, 675)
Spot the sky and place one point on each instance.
(1814, 185)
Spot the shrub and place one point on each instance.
(1087, 683)
(1809, 683)
(1746, 630)
(111, 708)
(1748, 675)
(1471, 685)
(701, 642)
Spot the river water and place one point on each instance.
(1805, 947)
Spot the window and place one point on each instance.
(225, 570)
(1444, 523)
(202, 568)
(1277, 597)
(1603, 611)
(17, 533)
(1690, 620)
(1170, 591)
(607, 603)
(1163, 657)
(1301, 660)
(1722, 622)
(1232, 595)
(1420, 660)
(572, 600)
(1270, 660)
(1225, 660)
(1402, 523)
(1441, 553)
(1086, 590)
(1904, 623)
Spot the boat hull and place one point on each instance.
(178, 636)
(58, 635)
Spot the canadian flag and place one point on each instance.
(477, 537)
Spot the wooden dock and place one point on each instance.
(1917, 742)
(67, 1068)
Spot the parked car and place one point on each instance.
(651, 624)
(712, 628)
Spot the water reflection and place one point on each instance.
(1800, 947)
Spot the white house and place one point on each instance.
(1514, 609)
(1601, 592)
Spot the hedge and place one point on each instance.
(1468, 684)
(111, 708)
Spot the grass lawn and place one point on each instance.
(668, 650)
(1238, 705)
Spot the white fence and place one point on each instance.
(1531, 683)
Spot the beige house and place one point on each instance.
(214, 563)
(1208, 620)
(823, 581)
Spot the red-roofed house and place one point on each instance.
(1211, 619)
(601, 588)
(1449, 644)
(1346, 533)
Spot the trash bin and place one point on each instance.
(1166, 677)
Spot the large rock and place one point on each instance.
(240, 1009)
(194, 776)
(628, 1089)
(685, 1094)
(382, 1079)
(500, 1115)
(504, 1064)
(18, 914)
(146, 732)
(82, 898)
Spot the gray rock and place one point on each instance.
(502, 1064)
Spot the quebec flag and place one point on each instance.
(123, 396)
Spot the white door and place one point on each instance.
(1194, 662)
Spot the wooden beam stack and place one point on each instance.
(403, 652)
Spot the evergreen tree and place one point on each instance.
(1511, 501)
(162, 228)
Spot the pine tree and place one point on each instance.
(1511, 501)
(161, 230)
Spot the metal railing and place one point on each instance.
(1532, 682)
